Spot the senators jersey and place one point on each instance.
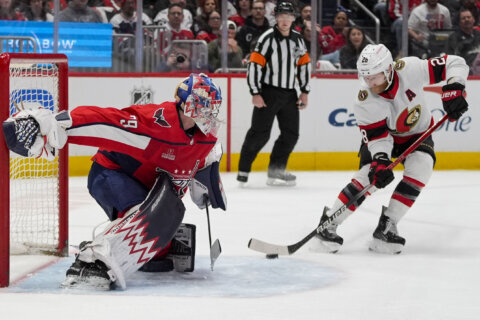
(149, 139)
(400, 112)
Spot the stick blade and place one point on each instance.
(267, 248)
(215, 252)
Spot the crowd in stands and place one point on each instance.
(434, 26)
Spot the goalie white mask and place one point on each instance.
(373, 60)
(200, 99)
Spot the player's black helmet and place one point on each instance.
(284, 7)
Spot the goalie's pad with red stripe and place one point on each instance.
(130, 242)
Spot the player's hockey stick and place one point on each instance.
(268, 248)
(215, 249)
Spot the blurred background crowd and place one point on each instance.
(186, 35)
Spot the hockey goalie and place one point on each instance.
(149, 155)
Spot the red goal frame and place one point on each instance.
(5, 60)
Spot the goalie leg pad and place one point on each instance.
(180, 255)
(130, 242)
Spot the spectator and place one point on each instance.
(153, 7)
(349, 54)
(79, 11)
(255, 25)
(244, 9)
(395, 14)
(37, 10)
(425, 18)
(270, 11)
(231, 10)
(126, 20)
(173, 29)
(305, 15)
(234, 52)
(455, 6)
(212, 30)
(465, 42)
(162, 17)
(205, 7)
(174, 24)
(332, 38)
(9, 12)
(179, 59)
(307, 36)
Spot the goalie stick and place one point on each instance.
(215, 249)
(269, 248)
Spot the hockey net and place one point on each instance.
(33, 216)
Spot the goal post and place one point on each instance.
(34, 197)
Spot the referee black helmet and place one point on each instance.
(284, 7)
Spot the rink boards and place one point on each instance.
(329, 137)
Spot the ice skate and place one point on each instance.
(385, 236)
(242, 177)
(84, 275)
(330, 240)
(280, 178)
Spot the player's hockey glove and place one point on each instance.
(454, 103)
(379, 175)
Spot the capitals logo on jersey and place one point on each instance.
(160, 118)
(181, 178)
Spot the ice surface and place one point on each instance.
(436, 277)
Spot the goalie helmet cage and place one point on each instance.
(34, 197)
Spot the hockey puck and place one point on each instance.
(272, 256)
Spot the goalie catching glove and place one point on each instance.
(454, 103)
(36, 133)
(379, 175)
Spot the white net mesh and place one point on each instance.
(34, 187)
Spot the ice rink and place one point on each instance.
(436, 277)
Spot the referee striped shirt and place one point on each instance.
(278, 61)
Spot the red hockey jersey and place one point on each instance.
(152, 134)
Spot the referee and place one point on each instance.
(279, 60)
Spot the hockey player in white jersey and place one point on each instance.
(391, 113)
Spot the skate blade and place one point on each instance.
(380, 246)
(274, 182)
(242, 184)
(321, 246)
(77, 283)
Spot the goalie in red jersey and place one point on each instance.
(149, 155)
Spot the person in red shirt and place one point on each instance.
(212, 30)
(149, 156)
(244, 10)
(332, 38)
(173, 29)
(8, 11)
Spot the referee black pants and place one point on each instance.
(281, 103)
